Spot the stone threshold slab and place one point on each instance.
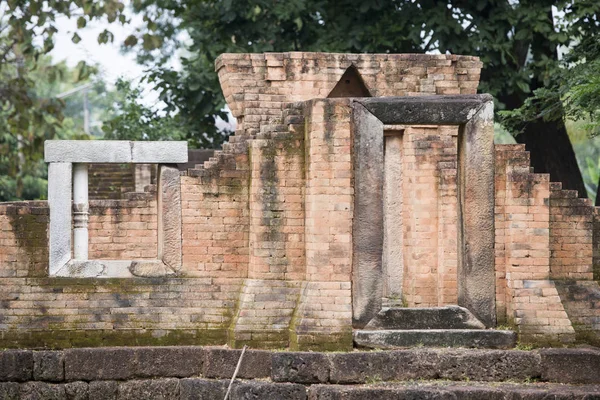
(115, 269)
(471, 338)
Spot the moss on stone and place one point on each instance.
(321, 341)
(265, 339)
(59, 339)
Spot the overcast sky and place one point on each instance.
(113, 64)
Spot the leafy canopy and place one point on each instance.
(517, 41)
(29, 111)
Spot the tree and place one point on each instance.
(518, 43)
(135, 121)
(572, 91)
(23, 173)
(27, 117)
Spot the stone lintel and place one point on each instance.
(425, 110)
(115, 151)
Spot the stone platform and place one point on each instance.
(450, 326)
(204, 373)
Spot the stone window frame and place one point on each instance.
(474, 115)
(68, 160)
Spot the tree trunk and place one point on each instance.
(548, 142)
(551, 152)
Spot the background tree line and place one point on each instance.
(520, 42)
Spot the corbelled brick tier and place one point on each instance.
(204, 373)
(257, 85)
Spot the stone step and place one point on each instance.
(469, 390)
(398, 338)
(449, 317)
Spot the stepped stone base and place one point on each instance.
(472, 390)
(170, 373)
(205, 389)
(450, 317)
(474, 338)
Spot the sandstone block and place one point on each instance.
(202, 389)
(164, 389)
(268, 391)
(103, 390)
(16, 365)
(393, 365)
(571, 365)
(99, 364)
(300, 367)
(76, 391)
(114, 151)
(9, 391)
(48, 366)
(489, 365)
(42, 391)
(179, 361)
(221, 363)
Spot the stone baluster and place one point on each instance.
(80, 211)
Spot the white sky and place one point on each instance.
(109, 58)
(113, 64)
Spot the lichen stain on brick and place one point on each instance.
(31, 234)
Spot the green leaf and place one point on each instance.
(81, 22)
(131, 41)
(76, 38)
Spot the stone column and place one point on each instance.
(393, 263)
(80, 211)
(476, 199)
(367, 229)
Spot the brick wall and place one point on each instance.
(526, 290)
(123, 229)
(39, 311)
(267, 225)
(257, 85)
(429, 170)
(110, 181)
(571, 221)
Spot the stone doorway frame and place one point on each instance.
(68, 202)
(474, 115)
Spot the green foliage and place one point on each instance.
(21, 161)
(28, 115)
(588, 157)
(135, 121)
(572, 85)
(517, 42)
(214, 27)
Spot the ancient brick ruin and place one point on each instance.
(356, 188)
